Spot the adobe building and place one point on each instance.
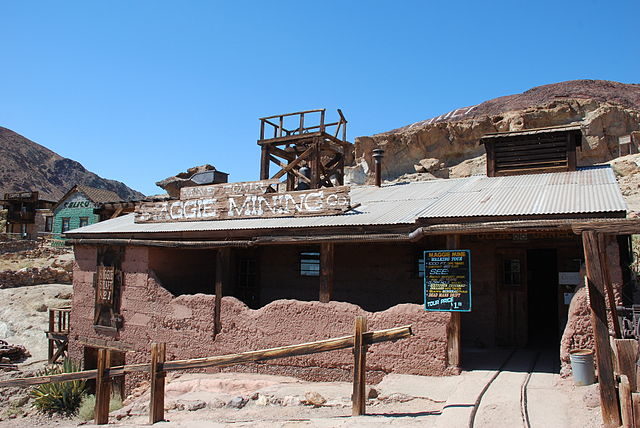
(242, 266)
(28, 215)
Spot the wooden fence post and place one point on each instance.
(156, 406)
(596, 289)
(103, 388)
(359, 367)
(626, 353)
(626, 402)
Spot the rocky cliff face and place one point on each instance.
(26, 165)
(448, 145)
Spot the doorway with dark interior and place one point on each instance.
(542, 297)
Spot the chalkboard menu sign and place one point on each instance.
(447, 280)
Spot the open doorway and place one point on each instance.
(91, 363)
(542, 297)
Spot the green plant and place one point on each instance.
(60, 397)
(88, 404)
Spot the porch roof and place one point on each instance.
(589, 191)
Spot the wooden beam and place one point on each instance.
(595, 287)
(359, 396)
(264, 163)
(156, 404)
(626, 353)
(103, 388)
(626, 403)
(286, 168)
(291, 166)
(454, 330)
(327, 260)
(604, 265)
(222, 268)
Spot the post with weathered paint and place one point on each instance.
(327, 260)
(156, 405)
(264, 163)
(454, 332)
(359, 367)
(103, 388)
(222, 268)
(595, 288)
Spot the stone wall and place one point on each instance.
(34, 276)
(185, 323)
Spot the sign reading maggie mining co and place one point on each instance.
(447, 280)
(222, 203)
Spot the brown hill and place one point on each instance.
(26, 165)
(605, 109)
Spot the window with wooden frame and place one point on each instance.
(310, 263)
(84, 221)
(66, 221)
(48, 223)
(108, 282)
(512, 275)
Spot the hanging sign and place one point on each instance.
(447, 280)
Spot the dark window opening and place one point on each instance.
(420, 264)
(65, 224)
(247, 282)
(184, 271)
(108, 282)
(84, 221)
(310, 263)
(512, 276)
(48, 223)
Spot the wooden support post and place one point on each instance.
(327, 260)
(595, 286)
(626, 403)
(604, 265)
(454, 332)
(51, 324)
(222, 269)
(315, 165)
(156, 405)
(359, 368)
(264, 163)
(626, 353)
(635, 401)
(103, 388)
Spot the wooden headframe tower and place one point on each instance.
(309, 151)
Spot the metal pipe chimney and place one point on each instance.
(378, 154)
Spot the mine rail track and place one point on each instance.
(524, 411)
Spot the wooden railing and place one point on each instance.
(158, 367)
(277, 125)
(58, 333)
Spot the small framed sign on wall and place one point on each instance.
(447, 280)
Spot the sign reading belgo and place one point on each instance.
(223, 203)
(447, 280)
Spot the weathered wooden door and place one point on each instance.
(511, 329)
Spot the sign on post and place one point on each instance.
(447, 280)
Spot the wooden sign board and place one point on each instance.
(447, 280)
(228, 206)
(236, 189)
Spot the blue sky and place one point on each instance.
(140, 90)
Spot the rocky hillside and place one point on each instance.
(447, 145)
(26, 165)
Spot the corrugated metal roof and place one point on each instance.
(589, 190)
(559, 128)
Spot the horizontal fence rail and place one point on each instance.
(326, 345)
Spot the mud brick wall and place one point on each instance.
(185, 323)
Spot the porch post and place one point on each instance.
(222, 270)
(454, 346)
(595, 288)
(326, 271)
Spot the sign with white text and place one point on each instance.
(447, 280)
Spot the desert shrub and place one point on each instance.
(59, 397)
(88, 404)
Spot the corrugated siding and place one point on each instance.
(590, 190)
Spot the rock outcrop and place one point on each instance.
(606, 110)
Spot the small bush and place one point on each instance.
(60, 397)
(88, 405)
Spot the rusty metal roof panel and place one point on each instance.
(589, 190)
